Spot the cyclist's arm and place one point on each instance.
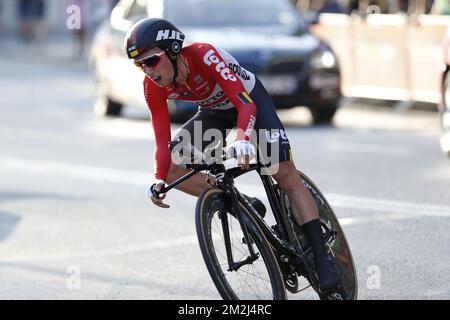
(233, 88)
(157, 104)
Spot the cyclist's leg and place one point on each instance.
(206, 128)
(272, 137)
(276, 153)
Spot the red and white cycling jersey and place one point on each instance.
(216, 80)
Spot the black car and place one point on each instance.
(268, 38)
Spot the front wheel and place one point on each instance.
(324, 114)
(257, 280)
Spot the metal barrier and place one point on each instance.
(389, 56)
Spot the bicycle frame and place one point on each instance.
(283, 247)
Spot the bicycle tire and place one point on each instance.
(210, 202)
(341, 251)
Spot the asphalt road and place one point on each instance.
(75, 222)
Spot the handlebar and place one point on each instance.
(196, 168)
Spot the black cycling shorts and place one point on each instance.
(270, 135)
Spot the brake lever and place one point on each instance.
(155, 193)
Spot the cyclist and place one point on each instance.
(227, 96)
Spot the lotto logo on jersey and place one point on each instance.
(273, 135)
(169, 34)
(210, 58)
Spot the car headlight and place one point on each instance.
(323, 60)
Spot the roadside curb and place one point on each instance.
(391, 105)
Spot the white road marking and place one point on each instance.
(369, 149)
(76, 171)
(120, 128)
(390, 206)
(352, 221)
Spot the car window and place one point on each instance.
(238, 13)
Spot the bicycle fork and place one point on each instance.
(232, 265)
(223, 216)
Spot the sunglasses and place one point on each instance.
(150, 62)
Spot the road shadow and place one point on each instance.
(18, 195)
(9, 221)
(114, 281)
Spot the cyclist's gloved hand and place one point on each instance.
(243, 151)
(151, 194)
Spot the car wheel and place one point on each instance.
(105, 106)
(324, 115)
(445, 115)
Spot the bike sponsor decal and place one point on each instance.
(210, 58)
(169, 35)
(238, 70)
(245, 98)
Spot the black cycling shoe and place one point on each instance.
(257, 204)
(325, 268)
(338, 293)
(326, 271)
